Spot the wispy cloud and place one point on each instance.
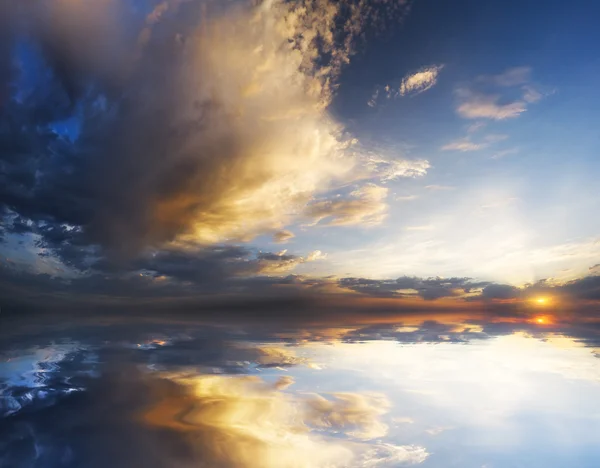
(411, 85)
(282, 262)
(492, 96)
(391, 169)
(475, 127)
(531, 95)
(406, 198)
(420, 81)
(365, 205)
(506, 152)
(464, 145)
(476, 105)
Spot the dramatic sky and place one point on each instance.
(357, 154)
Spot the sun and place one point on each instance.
(542, 320)
(541, 301)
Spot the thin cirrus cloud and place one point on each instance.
(503, 153)
(463, 145)
(475, 105)
(439, 187)
(488, 96)
(466, 144)
(365, 205)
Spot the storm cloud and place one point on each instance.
(178, 133)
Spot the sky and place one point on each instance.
(360, 155)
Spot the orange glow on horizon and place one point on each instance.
(541, 301)
(542, 320)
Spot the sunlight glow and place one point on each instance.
(541, 301)
(543, 320)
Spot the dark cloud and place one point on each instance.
(587, 288)
(245, 281)
(429, 331)
(426, 288)
(162, 274)
(166, 147)
(500, 291)
(581, 289)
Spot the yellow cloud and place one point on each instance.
(247, 422)
(366, 206)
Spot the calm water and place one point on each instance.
(428, 394)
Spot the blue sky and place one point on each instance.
(537, 183)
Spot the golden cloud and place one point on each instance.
(248, 422)
(225, 133)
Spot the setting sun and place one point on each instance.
(541, 301)
(542, 320)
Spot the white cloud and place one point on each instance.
(492, 96)
(391, 169)
(475, 105)
(373, 101)
(412, 84)
(355, 414)
(405, 197)
(387, 455)
(420, 81)
(531, 95)
(464, 145)
(315, 255)
(475, 127)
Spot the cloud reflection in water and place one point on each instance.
(431, 394)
